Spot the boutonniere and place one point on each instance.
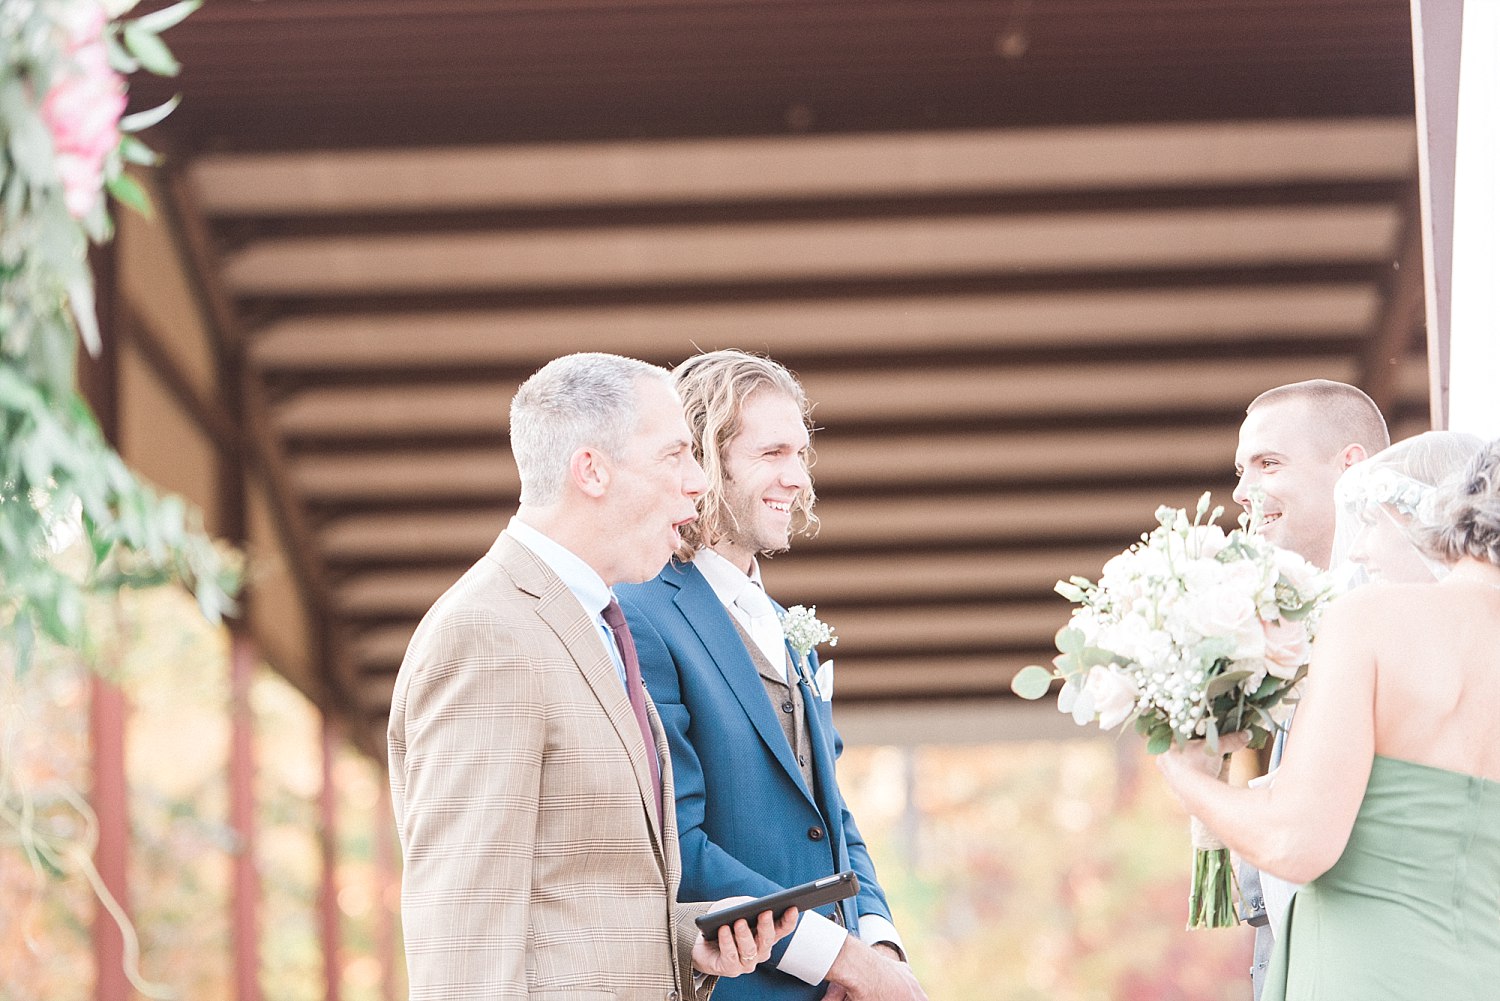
(804, 631)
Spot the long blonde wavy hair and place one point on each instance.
(714, 388)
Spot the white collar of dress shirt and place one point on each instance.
(727, 580)
(583, 580)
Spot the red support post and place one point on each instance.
(245, 881)
(99, 384)
(107, 712)
(328, 897)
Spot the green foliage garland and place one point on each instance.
(60, 482)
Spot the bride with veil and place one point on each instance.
(1387, 802)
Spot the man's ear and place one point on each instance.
(1352, 454)
(590, 472)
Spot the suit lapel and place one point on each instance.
(710, 620)
(559, 608)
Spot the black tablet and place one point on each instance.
(804, 898)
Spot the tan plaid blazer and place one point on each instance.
(534, 863)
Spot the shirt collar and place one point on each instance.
(727, 580)
(583, 580)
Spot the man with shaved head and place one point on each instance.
(1295, 442)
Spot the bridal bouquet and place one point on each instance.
(1188, 634)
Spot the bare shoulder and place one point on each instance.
(1377, 613)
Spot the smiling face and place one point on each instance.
(765, 470)
(1283, 457)
(1384, 547)
(651, 488)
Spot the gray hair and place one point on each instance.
(585, 400)
(1467, 521)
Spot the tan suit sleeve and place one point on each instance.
(474, 738)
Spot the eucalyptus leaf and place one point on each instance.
(132, 150)
(29, 142)
(150, 50)
(158, 21)
(121, 60)
(81, 298)
(1225, 682)
(1160, 740)
(1070, 640)
(1031, 682)
(145, 119)
(125, 189)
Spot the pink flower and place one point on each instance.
(1286, 647)
(83, 108)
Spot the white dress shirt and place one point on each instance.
(583, 580)
(815, 944)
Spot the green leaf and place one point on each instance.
(81, 298)
(1070, 590)
(145, 119)
(30, 143)
(1070, 640)
(1225, 683)
(1031, 682)
(159, 21)
(151, 51)
(132, 150)
(1161, 739)
(121, 60)
(125, 189)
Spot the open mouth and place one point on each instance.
(780, 507)
(1269, 519)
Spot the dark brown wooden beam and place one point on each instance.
(262, 309)
(1400, 322)
(284, 379)
(238, 232)
(260, 448)
(207, 415)
(1082, 418)
(976, 483)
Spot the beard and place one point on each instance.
(744, 527)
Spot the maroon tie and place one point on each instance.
(615, 619)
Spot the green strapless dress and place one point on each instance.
(1411, 910)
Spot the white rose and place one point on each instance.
(1287, 647)
(1297, 571)
(1113, 694)
(1226, 611)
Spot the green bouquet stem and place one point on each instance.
(1211, 901)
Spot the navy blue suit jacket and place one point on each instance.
(747, 822)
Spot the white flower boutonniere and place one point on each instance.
(804, 631)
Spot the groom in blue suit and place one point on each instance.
(750, 722)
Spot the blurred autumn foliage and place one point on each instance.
(173, 668)
(1018, 871)
(1043, 871)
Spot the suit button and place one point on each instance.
(673, 996)
(802, 760)
(815, 834)
(787, 707)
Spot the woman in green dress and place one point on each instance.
(1387, 802)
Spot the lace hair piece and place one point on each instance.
(1396, 490)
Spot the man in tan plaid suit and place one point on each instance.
(538, 861)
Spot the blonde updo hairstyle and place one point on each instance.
(1466, 520)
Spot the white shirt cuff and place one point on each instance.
(874, 929)
(812, 948)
